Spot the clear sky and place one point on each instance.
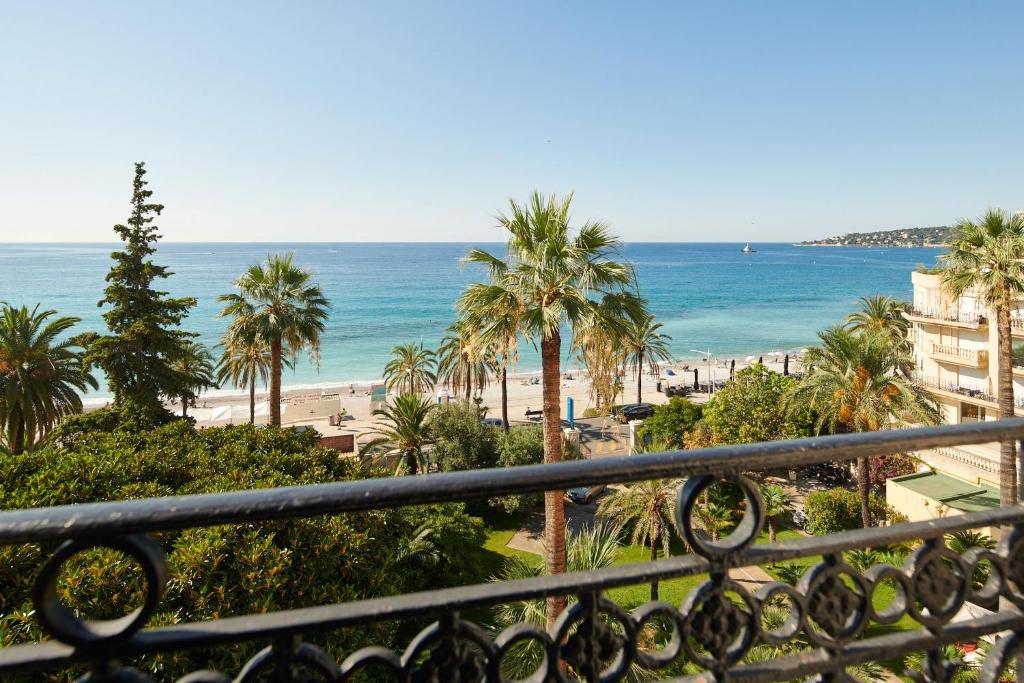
(417, 121)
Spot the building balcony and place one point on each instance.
(946, 319)
(955, 355)
(984, 464)
(836, 619)
(1016, 326)
(957, 392)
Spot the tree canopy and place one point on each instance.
(752, 408)
(138, 354)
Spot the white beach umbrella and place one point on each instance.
(750, 359)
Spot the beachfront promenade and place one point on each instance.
(313, 407)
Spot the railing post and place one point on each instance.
(1020, 469)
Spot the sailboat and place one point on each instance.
(747, 249)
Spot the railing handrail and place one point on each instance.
(202, 510)
(977, 318)
(409, 605)
(959, 351)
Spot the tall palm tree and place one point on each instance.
(776, 504)
(244, 361)
(645, 345)
(880, 313)
(411, 370)
(549, 274)
(988, 256)
(647, 509)
(279, 304)
(589, 549)
(852, 384)
(40, 374)
(498, 324)
(599, 339)
(406, 432)
(464, 360)
(194, 364)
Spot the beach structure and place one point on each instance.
(955, 349)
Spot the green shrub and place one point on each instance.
(231, 569)
(751, 408)
(520, 446)
(668, 426)
(839, 510)
(462, 441)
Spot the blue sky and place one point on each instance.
(417, 121)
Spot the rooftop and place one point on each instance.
(950, 491)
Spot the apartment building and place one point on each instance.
(955, 349)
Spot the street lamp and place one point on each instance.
(707, 358)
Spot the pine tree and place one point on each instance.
(139, 353)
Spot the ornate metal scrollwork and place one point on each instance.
(65, 625)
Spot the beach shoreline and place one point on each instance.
(313, 404)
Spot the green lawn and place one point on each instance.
(673, 591)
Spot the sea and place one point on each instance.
(710, 297)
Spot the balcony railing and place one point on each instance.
(593, 640)
(954, 388)
(967, 458)
(977, 357)
(947, 317)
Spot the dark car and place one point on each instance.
(581, 495)
(634, 411)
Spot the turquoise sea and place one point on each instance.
(709, 296)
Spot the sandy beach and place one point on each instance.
(313, 405)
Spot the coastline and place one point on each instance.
(312, 404)
(875, 246)
(235, 396)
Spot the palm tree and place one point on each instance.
(40, 374)
(411, 369)
(644, 343)
(465, 360)
(880, 313)
(600, 341)
(406, 432)
(988, 256)
(548, 277)
(715, 517)
(280, 306)
(592, 548)
(194, 365)
(647, 508)
(776, 504)
(852, 385)
(244, 360)
(498, 325)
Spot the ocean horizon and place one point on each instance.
(708, 295)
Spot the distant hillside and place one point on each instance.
(938, 236)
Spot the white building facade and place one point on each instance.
(955, 354)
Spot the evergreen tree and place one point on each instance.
(144, 342)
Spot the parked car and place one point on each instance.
(634, 411)
(492, 421)
(581, 495)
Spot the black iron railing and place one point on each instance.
(714, 628)
(947, 316)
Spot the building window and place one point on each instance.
(971, 413)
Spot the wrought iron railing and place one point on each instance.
(969, 355)
(948, 316)
(595, 640)
(954, 388)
